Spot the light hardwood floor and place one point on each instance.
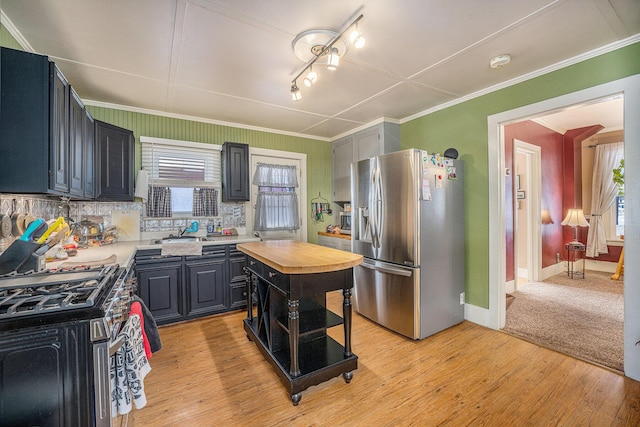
(209, 374)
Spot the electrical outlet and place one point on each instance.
(461, 298)
(558, 257)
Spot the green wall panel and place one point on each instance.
(464, 126)
(318, 152)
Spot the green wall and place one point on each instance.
(318, 152)
(464, 126)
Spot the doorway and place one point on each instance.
(495, 315)
(527, 163)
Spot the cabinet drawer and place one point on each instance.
(255, 266)
(273, 276)
(238, 296)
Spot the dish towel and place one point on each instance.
(129, 366)
(181, 249)
(150, 326)
(136, 308)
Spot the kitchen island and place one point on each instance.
(288, 282)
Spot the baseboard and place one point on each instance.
(606, 266)
(478, 315)
(510, 286)
(552, 270)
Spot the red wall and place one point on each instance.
(553, 185)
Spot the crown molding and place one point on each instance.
(542, 71)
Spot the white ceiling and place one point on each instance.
(232, 61)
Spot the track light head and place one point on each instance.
(333, 61)
(311, 78)
(295, 92)
(357, 38)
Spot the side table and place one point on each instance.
(575, 254)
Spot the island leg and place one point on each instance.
(294, 332)
(249, 292)
(295, 398)
(346, 315)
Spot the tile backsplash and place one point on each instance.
(231, 214)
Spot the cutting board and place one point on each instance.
(128, 223)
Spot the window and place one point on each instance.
(184, 177)
(277, 201)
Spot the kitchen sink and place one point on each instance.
(181, 239)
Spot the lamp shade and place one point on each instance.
(575, 218)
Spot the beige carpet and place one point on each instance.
(580, 317)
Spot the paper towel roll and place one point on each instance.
(142, 184)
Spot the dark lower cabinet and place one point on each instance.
(160, 286)
(182, 288)
(206, 282)
(42, 372)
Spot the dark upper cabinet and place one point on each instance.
(76, 144)
(89, 156)
(114, 162)
(59, 130)
(46, 136)
(235, 172)
(25, 126)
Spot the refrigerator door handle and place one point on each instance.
(373, 206)
(378, 212)
(390, 270)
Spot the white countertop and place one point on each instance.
(125, 251)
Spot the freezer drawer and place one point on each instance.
(389, 295)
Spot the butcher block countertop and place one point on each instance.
(294, 257)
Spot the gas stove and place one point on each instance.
(75, 293)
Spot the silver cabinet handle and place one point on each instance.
(271, 274)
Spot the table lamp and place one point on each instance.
(575, 218)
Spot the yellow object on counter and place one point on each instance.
(55, 226)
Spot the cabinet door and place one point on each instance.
(367, 143)
(205, 281)
(114, 146)
(159, 286)
(24, 129)
(89, 156)
(342, 158)
(59, 149)
(237, 279)
(44, 375)
(76, 144)
(235, 172)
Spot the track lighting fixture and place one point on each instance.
(324, 44)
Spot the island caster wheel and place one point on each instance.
(295, 398)
(347, 377)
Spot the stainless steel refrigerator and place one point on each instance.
(408, 223)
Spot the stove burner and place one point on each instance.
(40, 294)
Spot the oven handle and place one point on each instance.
(116, 345)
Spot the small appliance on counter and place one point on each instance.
(345, 222)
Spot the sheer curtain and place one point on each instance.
(603, 194)
(277, 201)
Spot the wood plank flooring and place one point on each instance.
(209, 374)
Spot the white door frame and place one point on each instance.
(532, 203)
(494, 316)
(302, 189)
